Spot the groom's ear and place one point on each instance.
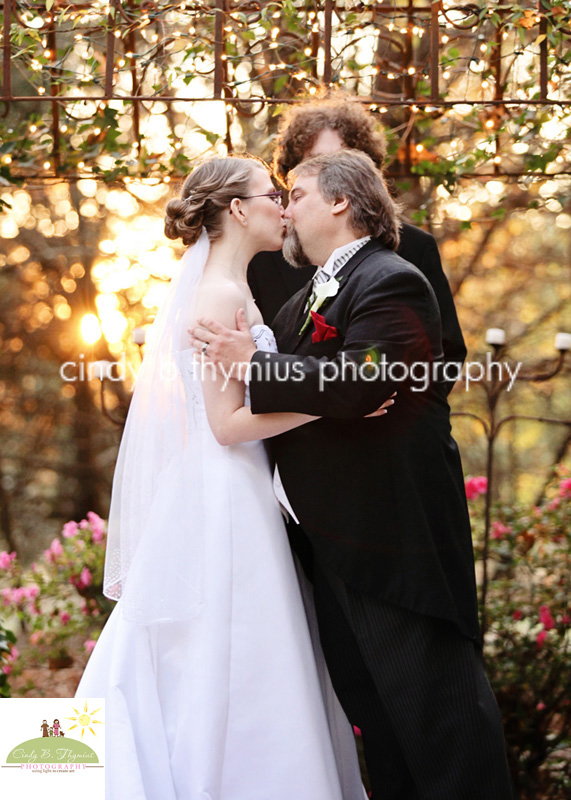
(340, 205)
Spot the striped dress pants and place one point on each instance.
(417, 689)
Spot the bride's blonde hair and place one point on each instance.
(206, 193)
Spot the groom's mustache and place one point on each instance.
(292, 249)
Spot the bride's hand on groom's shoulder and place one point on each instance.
(223, 346)
(384, 408)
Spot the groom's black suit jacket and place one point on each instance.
(382, 500)
(273, 281)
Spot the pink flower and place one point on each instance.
(6, 595)
(97, 525)
(32, 591)
(13, 655)
(89, 645)
(55, 548)
(498, 530)
(84, 524)
(565, 488)
(541, 637)
(7, 669)
(517, 614)
(566, 619)
(476, 486)
(69, 529)
(64, 617)
(36, 637)
(15, 595)
(545, 618)
(6, 559)
(540, 706)
(555, 503)
(357, 731)
(85, 578)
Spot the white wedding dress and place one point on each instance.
(236, 703)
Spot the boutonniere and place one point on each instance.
(322, 331)
(324, 291)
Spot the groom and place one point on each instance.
(382, 502)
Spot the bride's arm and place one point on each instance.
(230, 421)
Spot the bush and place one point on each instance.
(8, 653)
(528, 639)
(60, 598)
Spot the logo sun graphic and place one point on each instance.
(85, 720)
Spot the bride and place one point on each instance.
(215, 684)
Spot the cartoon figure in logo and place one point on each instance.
(51, 731)
(56, 727)
(44, 726)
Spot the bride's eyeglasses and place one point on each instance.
(276, 196)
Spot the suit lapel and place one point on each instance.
(287, 339)
(294, 340)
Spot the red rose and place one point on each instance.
(322, 331)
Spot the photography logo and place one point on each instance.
(48, 738)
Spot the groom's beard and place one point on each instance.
(292, 249)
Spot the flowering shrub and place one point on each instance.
(60, 596)
(476, 486)
(528, 638)
(8, 652)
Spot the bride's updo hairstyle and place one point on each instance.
(207, 192)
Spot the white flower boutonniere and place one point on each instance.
(321, 293)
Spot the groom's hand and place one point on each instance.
(225, 348)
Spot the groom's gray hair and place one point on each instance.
(353, 175)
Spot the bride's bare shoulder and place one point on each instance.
(220, 298)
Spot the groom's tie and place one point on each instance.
(320, 277)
